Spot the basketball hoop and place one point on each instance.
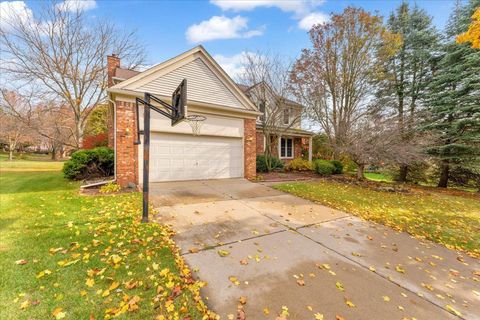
(195, 121)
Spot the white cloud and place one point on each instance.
(13, 12)
(299, 6)
(307, 22)
(234, 65)
(303, 10)
(77, 5)
(221, 27)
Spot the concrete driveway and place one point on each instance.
(283, 251)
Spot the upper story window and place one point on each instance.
(286, 116)
(261, 106)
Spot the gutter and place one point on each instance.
(134, 94)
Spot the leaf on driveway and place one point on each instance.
(301, 282)
(223, 253)
(318, 316)
(339, 286)
(386, 298)
(234, 280)
(400, 269)
(349, 303)
(452, 310)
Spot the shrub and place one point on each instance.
(262, 165)
(323, 167)
(299, 165)
(94, 141)
(110, 188)
(338, 166)
(92, 163)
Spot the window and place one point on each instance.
(286, 148)
(261, 106)
(286, 116)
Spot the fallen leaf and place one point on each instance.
(400, 269)
(244, 262)
(386, 298)
(349, 303)
(452, 310)
(21, 262)
(242, 300)
(234, 280)
(318, 316)
(193, 250)
(339, 286)
(25, 304)
(90, 282)
(301, 282)
(223, 253)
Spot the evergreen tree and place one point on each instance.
(403, 84)
(454, 99)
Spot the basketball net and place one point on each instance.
(195, 121)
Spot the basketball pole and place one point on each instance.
(146, 155)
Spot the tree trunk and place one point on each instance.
(443, 182)
(54, 154)
(402, 175)
(360, 171)
(10, 154)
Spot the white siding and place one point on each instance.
(202, 85)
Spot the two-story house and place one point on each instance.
(280, 122)
(231, 136)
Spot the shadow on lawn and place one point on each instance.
(25, 182)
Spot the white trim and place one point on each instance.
(130, 95)
(139, 79)
(280, 147)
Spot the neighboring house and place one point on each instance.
(227, 146)
(281, 120)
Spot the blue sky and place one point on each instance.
(228, 28)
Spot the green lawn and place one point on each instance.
(447, 219)
(377, 177)
(63, 255)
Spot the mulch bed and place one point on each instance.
(280, 176)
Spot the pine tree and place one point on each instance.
(408, 71)
(454, 99)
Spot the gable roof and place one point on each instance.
(246, 89)
(207, 82)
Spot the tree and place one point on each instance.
(60, 53)
(473, 33)
(378, 140)
(334, 78)
(406, 74)
(12, 131)
(267, 78)
(454, 99)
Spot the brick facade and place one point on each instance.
(260, 143)
(127, 151)
(113, 62)
(250, 149)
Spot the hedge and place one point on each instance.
(86, 164)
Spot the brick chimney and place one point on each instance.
(113, 62)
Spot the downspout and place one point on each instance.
(114, 151)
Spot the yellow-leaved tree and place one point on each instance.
(473, 33)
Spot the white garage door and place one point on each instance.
(186, 157)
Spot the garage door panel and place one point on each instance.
(184, 157)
